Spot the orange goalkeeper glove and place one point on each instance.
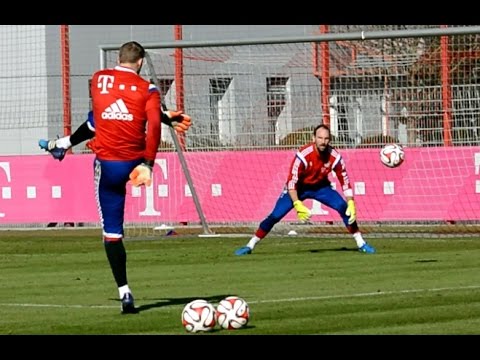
(351, 211)
(303, 213)
(178, 120)
(141, 175)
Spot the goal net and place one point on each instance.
(254, 105)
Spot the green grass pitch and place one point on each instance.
(59, 282)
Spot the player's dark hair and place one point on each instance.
(131, 52)
(321, 126)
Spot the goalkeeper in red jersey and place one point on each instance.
(308, 179)
(124, 127)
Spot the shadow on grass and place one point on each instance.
(178, 301)
(336, 249)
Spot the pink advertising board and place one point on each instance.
(432, 184)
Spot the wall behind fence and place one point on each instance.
(31, 79)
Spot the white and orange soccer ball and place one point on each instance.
(199, 315)
(233, 312)
(392, 155)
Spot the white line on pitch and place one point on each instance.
(166, 306)
(376, 293)
(61, 306)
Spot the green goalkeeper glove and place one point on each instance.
(141, 175)
(303, 213)
(351, 211)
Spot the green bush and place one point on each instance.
(377, 141)
(298, 138)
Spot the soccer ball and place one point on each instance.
(198, 315)
(392, 155)
(233, 313)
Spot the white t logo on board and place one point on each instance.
(5, 166)
(149, 191)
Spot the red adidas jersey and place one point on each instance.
(124, 104)
(310, 169)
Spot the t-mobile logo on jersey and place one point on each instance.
(105, 82)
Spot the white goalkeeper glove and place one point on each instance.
(141, 175)
(179, 121)
(303, 213)
(351, 212)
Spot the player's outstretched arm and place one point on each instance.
(177, 119)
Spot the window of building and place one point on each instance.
(276, 99)
(165, 85)
(218, 88)
(276, 95)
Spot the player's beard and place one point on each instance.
(322, 148)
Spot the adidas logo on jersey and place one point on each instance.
(117, 111)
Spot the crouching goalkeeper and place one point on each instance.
(124, 127)
(308, 179)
